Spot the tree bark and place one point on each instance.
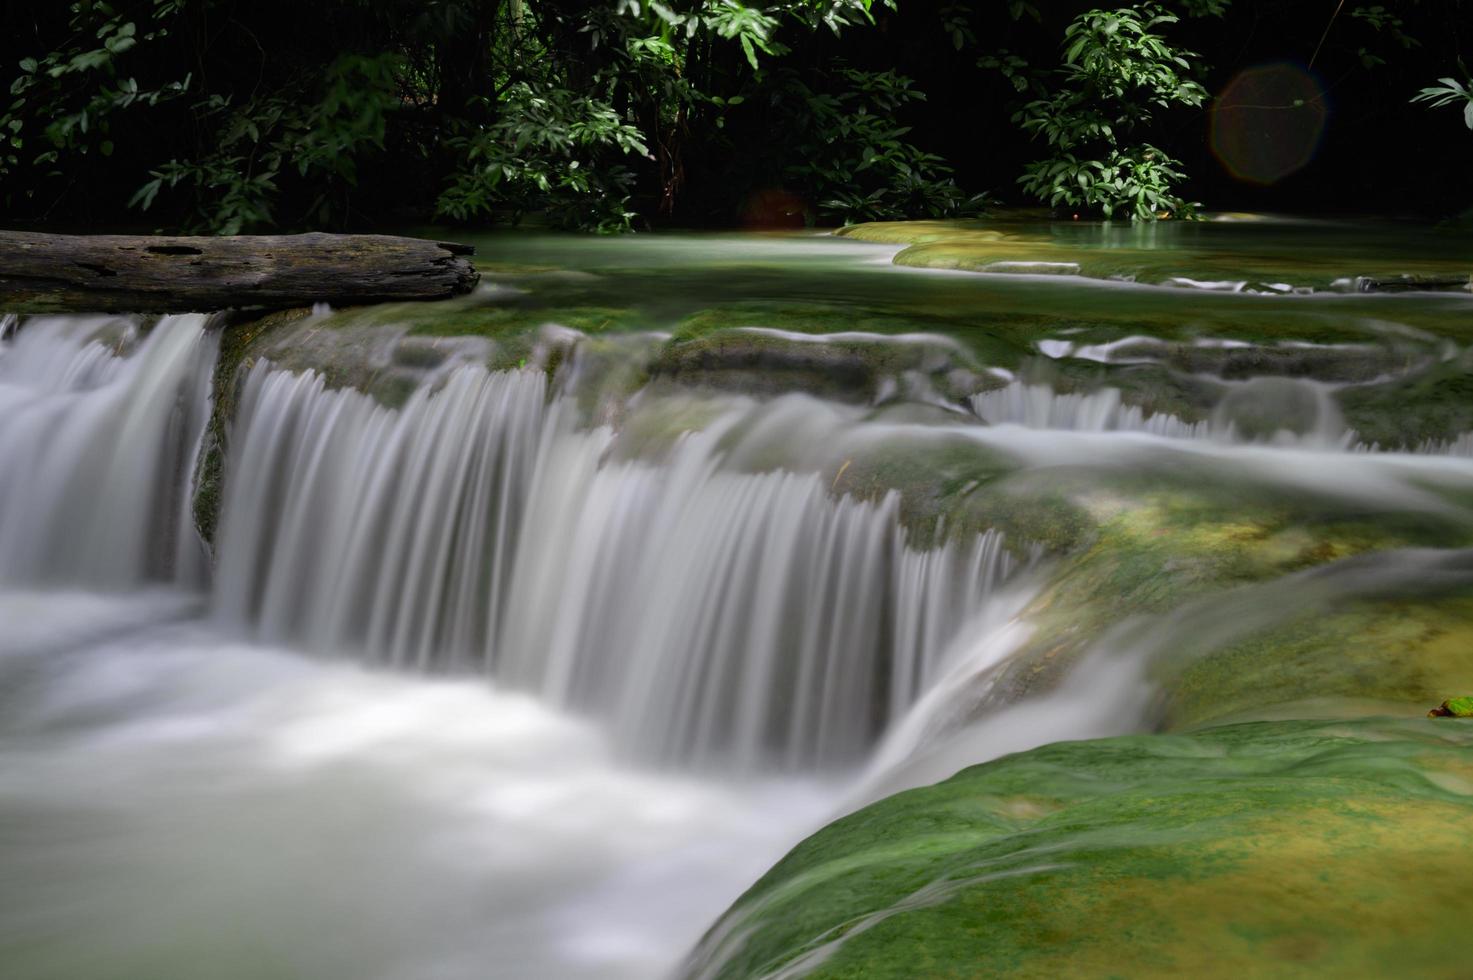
(150, 274)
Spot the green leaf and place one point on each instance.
(1453, 708)
(747, 49)
(144, 196)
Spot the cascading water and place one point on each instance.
(1037, 406)
(690, 605)
(478, 687)
(346, 525)
(705, 612)
(1278, 411)
(97, 451)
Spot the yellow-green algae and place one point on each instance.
(1152, 548)
(1270, 256)
(1403, 652)
(1261, 849)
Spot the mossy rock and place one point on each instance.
(1434, 404)
(1193, 260)
(987, 340)
(851, 366)
(1397, 652)
(1264, 849)
(920, 232)
(1163, 541)
(240, 343)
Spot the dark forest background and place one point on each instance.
(253, 115)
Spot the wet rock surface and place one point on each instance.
(1302, 847)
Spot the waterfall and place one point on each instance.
(346, 525)
(1280, 411)
(704, 611)
(99, 427)
(1040, 407)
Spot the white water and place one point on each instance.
(216, 779)
(180, 805)
(1037, 406)
(97, 451)
(708, 613)
(422, 723)
(1276, 411)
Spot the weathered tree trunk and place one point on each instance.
(147, 274)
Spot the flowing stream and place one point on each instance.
(487, 683)
(615, 690)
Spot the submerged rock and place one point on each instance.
(1175, 255)
(1259, 849)
(848, 366)
(1414, 283)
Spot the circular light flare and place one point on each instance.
(1267, 122)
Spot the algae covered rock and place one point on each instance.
(1223, 257)
(1264, 849)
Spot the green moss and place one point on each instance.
(761, 361)
(1395, 652)
(951, 486)
(1163, 539)
(1274, 260)
(240, 343)
(990, 340)
(1432, 404)
(1259, 849)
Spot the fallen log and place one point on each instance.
(42, 273)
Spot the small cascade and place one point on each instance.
(1037, 406)
(704, 611)
(1461, 446)
(1458, 447)
(1282, 411)
(348, 525)
(744, 618)
(95, 402)
(1275, 411)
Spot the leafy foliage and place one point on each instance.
(550, 151)
(1118, 70)
(1449, 92)
(283, 136)
(855, 160)
(501, 108)
(1137, 180)
(68, 102)
(222, 116)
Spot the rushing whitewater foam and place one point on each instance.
(175, 798)
(97, 450)
(706, 612)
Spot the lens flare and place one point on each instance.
(1267, 122)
